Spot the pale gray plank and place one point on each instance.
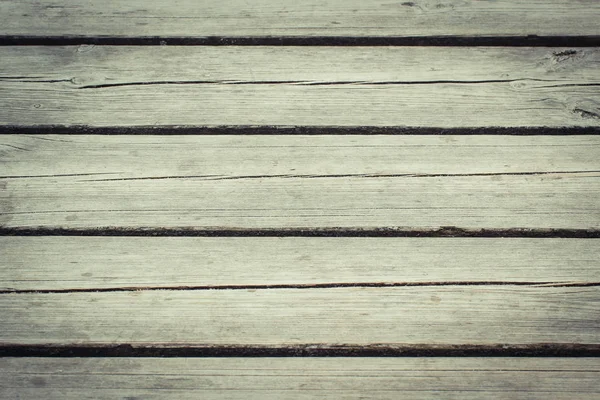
(255, 182)
(448, 315)
(414, 87)
(64, 263)
(444, 105)
(88, 65)
(300, 378)
(305, 18)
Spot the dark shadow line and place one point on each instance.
(441, 40)
(240, 130)
(315, 83)
(301, 286)
(56, 175)
(445, 231)
(304, 350)
(328, 176)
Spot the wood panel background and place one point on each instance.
(294, 200)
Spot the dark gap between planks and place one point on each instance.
(307, 350)
(449, 40)
(238, 130)
(445, 231)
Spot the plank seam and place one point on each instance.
(441, 40)
(445, 231)
(305, 350)
(240, 130)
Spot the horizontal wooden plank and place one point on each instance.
(264, 182)
(449, 315)
(67, 263)
(444, 105)
(291, 86)
(300, 378)
(291, 18)
(87, 65)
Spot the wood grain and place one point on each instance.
(88, 263)
(276, 182)
(290, 86)
(284, 293)
(87, 66)
(294, 378)
(292, 18)
(450, 315)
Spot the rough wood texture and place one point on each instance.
(450, 315)
(88, 66)
(312, 378)
(136, 296)
(86, 263)
(289, 86)
(256, 182)
(304, 18)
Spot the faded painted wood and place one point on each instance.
(297, 378)
(490, 292)
(290, 86)
(293, 18)
(88, 66)
(260, 182)
(432, 315)
(65, 263)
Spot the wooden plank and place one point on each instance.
(292, 18)
(88, 65)
(289, 86)
(432, 315)
(300, 378)
(443, 105)
(65, 263)
(277, 182)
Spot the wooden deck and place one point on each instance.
(297, 200)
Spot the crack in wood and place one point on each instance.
(56, 175)
(292, 176)
(48, 139)
(15, 147)
(300, 286)
(303, 83)
(569, 85)
(32, 80)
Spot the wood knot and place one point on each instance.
(586, 113)
(564, 54)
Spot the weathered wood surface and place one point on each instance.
(293, 18)
(294, 378)
(291, 86)
(87, 263)
(432, 315)
(87, 65)
(256, 182)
